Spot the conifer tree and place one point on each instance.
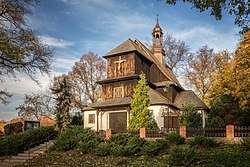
(140, 116)
(61, 90)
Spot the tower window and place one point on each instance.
(118, 92)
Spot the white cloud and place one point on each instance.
(198, 36)
(55, 42)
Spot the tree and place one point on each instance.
(140, 116)
(176, 52)
(39, 105)
(239, 8)
(4, 97)
(225, 110)
(199, 71)
(234, 80)
(20, 48)
(61, 90)
(190, 117)
(84, 77)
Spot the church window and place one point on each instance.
(91, 118)
(118, 92)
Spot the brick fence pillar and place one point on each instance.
(108, 133)
(183, 131)
(143, 133)
(230, 132)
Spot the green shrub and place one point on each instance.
(124, 150)
(77, 137)
(13, 128)
(174, 138)
(227, 155)
(103, 149)
(182, 156)
(152, 148)
(16, 143)
(203, 142)
(245, 143)
(120, 138)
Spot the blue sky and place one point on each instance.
(75, 27)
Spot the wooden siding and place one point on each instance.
(122, 65)
(156, 75)
(142, 66)
(128, 88)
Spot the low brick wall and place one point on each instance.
(228, 138)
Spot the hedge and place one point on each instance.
(16, 143)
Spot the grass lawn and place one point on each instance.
(224, 155)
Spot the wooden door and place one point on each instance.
(118, 121)
(171, 122)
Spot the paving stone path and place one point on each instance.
(26, 155)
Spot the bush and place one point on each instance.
(153, 148)
(174, 138)
(120, 138)
(227, 155)
(182, 156)
(245, 143)
(16, 143)
(13, 128)
(124, 150)
(103, 149)
(203, 142)
(77, 137)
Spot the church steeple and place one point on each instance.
(157, 43)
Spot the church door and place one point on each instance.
(118, 121)
(171, 122)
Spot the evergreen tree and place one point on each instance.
(61, 89)
(140, 116)
(190, 117)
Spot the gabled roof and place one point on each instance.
(137, 46)
(155, 98)
(112, 102)
(125, 47)
(189, 96)
(165, 69)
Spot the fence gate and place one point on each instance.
(171, 122)
(118, 121)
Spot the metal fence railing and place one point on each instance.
(241, 131)
(207, 132)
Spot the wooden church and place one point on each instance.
(124, 65)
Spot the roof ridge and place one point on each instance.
(158, 64)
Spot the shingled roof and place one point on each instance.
(112, 102)
(125, 47)
(165, 69)
(189, 96)
(156, 98)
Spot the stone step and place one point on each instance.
(20, 157)
(39, 151)
(15, 160)
(28, 155)
(7, 164)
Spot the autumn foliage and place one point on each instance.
(234, 80)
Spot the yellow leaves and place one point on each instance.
(235, 77)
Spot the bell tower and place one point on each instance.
(157, 43)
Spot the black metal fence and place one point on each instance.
(241, 131)
(207, 132)
(157, 133)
